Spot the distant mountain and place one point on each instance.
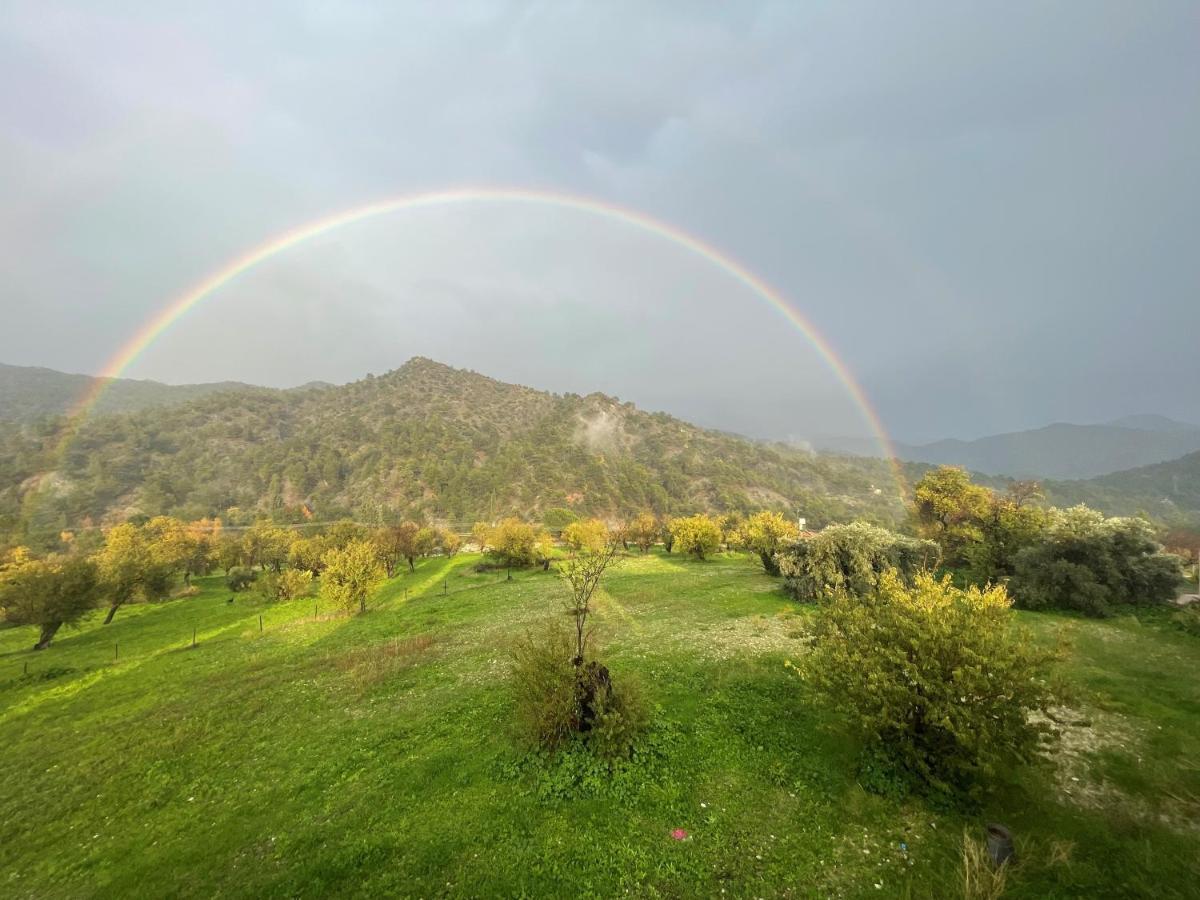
(1153, 423)
(1060, 451)
(424, 441)
(28, 393)
(1167, 490)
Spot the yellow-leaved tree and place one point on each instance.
(351, 574)
(766, 533)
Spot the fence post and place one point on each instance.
(260, 623)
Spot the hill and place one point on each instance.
(323, 755)
(28, 393)
(1168, 490)
(425, 441)
(1061, 450)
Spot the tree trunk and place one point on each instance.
(48, 631)
(112, 611)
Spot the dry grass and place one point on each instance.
(981, 880)
(371, 664)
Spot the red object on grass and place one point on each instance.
(679, 834)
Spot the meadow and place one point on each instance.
(320, 754)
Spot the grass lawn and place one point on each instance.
(373, 755)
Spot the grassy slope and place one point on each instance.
(337, 755)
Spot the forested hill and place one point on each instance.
(28, 393)
(424, 440)
(1168, 491)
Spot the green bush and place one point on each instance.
(1187, 620)
(850, 558)
(937, 679)
(545, 688)
(1092, 564)
(558, 702)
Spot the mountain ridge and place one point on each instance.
(424, 440)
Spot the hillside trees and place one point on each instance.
(48, 593)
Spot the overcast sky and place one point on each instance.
(991, 211)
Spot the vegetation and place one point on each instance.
(517, 543)
(351, 575)
(48, 594)
(766, 533)
(426, 443)
(850, 559)
(697, 535)
(1092, 564)
(297, 732)
(935, 679)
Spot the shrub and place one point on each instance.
(698, 535)
(558, 701)
(938, 679)
(1091, 564)
(283, 586)
(1187, 620)
(850, 558)
(544, 687)
(618, 720)
(517, 543)
(240, 578)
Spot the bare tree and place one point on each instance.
(582, 572)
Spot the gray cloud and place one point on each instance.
(989, 210)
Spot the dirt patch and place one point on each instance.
(753, 636)
(1084, 733)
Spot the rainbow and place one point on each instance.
(179, 307)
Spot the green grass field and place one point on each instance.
(373, 755)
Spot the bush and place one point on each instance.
(283, 586)
(1092, 564)
(240, 578)
(558, 701)
(1187, 620)
(517, 543)
(544, 687)
(698, 535)
(937, 679)
(850, 558)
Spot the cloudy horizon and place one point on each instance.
(988, 211)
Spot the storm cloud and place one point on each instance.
(990, 210)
